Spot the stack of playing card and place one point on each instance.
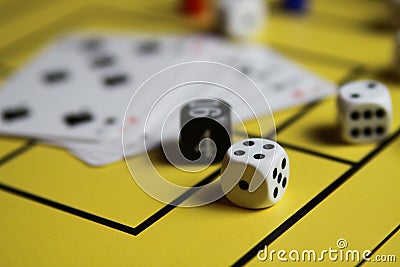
(76, 92)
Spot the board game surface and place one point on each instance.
(55, 210)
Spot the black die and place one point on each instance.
(206, 118)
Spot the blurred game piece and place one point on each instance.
(241, 18)
(204, 122)
(255, 173)
(365, 111)
(200, 13)
(193, 7)
(296, 6)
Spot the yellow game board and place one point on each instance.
(55, 210)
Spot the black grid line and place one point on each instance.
(17, 152)
(305, 110)
(390, 235)
(319, 57)
(107, 222)
(355, 72)
(303, 211)
(316, 153)
(303, 149)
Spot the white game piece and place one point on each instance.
(365, 111)
(241, 18)
(255, 173)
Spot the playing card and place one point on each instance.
(58, 97)
(76, 92)
(78, 88)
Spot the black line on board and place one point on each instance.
(337, 23)
(281, 229)
(292, 119)
(392, 233)
(355, 72)
(305, 110)
(320, 57)
(68, 209)
(316, 153)
(303, 150)
(107, 222)
(17, 152)
(166, 209)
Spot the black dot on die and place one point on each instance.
(268, 146)
(355, 132)
(380, 130)
(367, 131)
(283, 164)
(279, 178)
(380, 113)
(243, 185)
(355, 95)
(355, 115)
(239, 152)
(275, 192)
(275, 173)
(248, 143)
(371, 85)
(367, 114)
(284, 182)
(259, 156)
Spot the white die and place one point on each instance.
(241, 18)
(365, 111)
(255, 173)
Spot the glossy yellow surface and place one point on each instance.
(55, 210)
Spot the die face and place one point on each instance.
(258, 163)
(242, 17)
(366, 123)
(365, 111)
(205, 120)
(365, 92)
